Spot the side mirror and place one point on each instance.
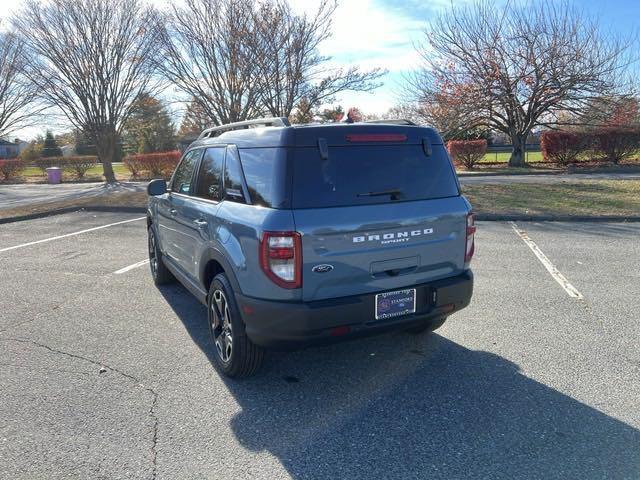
(157, 187)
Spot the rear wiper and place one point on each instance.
(393, 192)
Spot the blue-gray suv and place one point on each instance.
(299, 234)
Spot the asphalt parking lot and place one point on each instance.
(102, 375)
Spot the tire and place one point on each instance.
(427, 326)
(159, 271)
(235, 355)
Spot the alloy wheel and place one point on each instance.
(221, 325)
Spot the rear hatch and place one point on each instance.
(376, 215)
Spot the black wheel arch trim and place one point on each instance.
(213, 253)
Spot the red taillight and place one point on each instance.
(470, 245)
(281, 258)
(376, 137)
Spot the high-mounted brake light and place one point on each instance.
(470, 245)
(281, 258)
(376, 137)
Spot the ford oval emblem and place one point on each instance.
(324, 268)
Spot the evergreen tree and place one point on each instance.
(50, 148)
(149, 127)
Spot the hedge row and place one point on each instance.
(608, 144)
(154, 164)
(11, 168)
(467, 152)
(79, 165)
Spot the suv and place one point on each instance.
(298, 234)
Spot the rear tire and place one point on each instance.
(427, 326)
(235, 354)
(159, 272)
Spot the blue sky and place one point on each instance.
(381, 33)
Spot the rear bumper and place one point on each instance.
(291, 324)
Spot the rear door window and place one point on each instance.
(233, 183)
(183, 175)
(210, 175)
(366, 174)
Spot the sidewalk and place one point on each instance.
(12, 196)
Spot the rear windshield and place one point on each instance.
(364, 175)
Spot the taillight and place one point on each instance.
(470, 245)
(281, 258)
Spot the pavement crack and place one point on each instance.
(151, 391)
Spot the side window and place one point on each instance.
(184, 173)
(210, 175)
(233, 177)
(265, 172)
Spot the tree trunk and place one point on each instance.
(518, 153)
(106, 147)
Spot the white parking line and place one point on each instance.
(50, 239)
(131, 267)
(555, 273)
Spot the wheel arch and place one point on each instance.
(212, 263)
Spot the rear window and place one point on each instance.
(366, 174)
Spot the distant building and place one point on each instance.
(9, 149)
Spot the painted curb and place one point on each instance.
(61, 211)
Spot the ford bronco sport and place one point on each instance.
(296, 234)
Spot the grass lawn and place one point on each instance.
(532, 157)
(589, 197)
(34, 174)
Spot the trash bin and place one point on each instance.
(54, 175)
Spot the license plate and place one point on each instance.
(395, 304)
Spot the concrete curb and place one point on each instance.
(490, 217)
(569, 171)
(511, 174)
(60, 211)
(484, 217)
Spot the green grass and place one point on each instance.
(591, 197)
(120, 171)
(503, 157)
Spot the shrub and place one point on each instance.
(45, 162)
(563, 147)
(133, 164)
(156, 164)
(616, 143)
(11, 168)
(467, 152)
(78, 164)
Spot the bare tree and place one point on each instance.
(16, 91)
(291, 71)
(515, 67)
(206, 54)
(91, 59)
(240, 59)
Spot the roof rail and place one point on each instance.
(395, 121)
(266, 122)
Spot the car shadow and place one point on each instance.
(403, 406)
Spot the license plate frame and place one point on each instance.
(395, 304)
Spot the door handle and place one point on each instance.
(173, 211)
(200, 223)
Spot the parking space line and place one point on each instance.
(553, 271)
(50, 239)
(131, 267)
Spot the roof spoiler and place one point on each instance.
(259, 122)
